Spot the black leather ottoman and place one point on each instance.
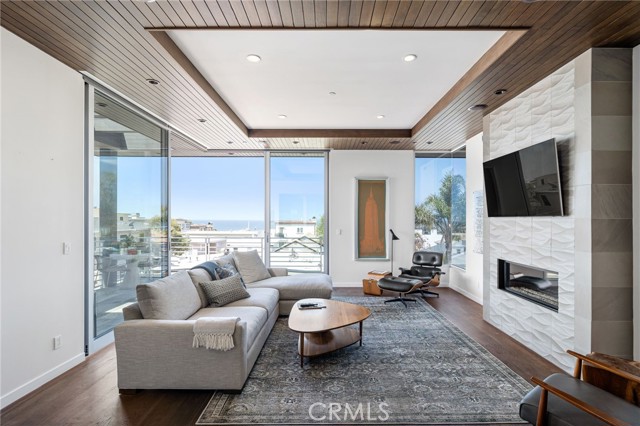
(399, 285)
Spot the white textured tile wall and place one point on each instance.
(544, 111)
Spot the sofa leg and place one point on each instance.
(129, 391)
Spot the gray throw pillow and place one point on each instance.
(250, 266)
(224, 291)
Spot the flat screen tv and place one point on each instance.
(525, 182)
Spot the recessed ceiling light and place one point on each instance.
(151, 1)
(296, 142)
(429, 142)
(478, 107)
(500, 92)
(253, 58)
(364, 142)
(379, 116)
(410, 58)
(101, 104)
(202, 120)
(153, 81)
(263, 141)
(229, 142)
(282, 116)
(332, 93)
(231, 153)
(394, 142)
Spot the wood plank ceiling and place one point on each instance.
(111, 41)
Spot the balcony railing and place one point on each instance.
(295, 254)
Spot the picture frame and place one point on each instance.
(372, 219)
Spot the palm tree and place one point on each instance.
(444, 210)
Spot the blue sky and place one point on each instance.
(429, 173)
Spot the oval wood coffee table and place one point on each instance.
(326, 330)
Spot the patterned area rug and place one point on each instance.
(414, 367)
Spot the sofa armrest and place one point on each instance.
(278, 272)
(132, 312)
(159, 354)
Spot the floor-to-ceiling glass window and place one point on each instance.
(297, 211)
(217, 206)
(440, 215)
(128, 210)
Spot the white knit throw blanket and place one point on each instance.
(214, 333)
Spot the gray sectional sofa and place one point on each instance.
(154, 350)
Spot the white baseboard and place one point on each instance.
(466, 294)
(35, 383)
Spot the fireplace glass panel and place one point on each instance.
(539, 286)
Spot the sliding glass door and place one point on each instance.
(297, 190)
(127, 227)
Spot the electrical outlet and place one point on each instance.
(57, 342)
(66, 248)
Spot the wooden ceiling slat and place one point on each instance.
(321, 13)
(309, 14)
(412, 13)
(534, 12)
(331, 8)
(447, 13)
(229, 14)
(390, 11)
(366, 14)
(457, 15)
(274, 13)
(252, 13)
(436, 12)
(344, 7)
(494, 13)
(425, 14)
(144, 14)
(286, 13)
(355, 11)
(216, 12)
(177, 8)
(263, 13)
(205, 14)
(159, 9)
(378, 13)
(401, 14)
(479, 19)
(298, 13)
(238, 10)
(470, 13)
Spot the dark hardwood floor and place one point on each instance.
(88, 395)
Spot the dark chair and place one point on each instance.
(563, 400)
(426, 268)
(399, 285)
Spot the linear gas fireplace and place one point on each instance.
(536, 285)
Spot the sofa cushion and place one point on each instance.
(266, 298)
(170, 298)
(227, 267)
(300, 286)
(226, 290)
(199, 275)
(255, 317)
(250, 266)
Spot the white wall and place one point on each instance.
(636, 202)
(42, 207)
(344, 167)
(469, 282)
